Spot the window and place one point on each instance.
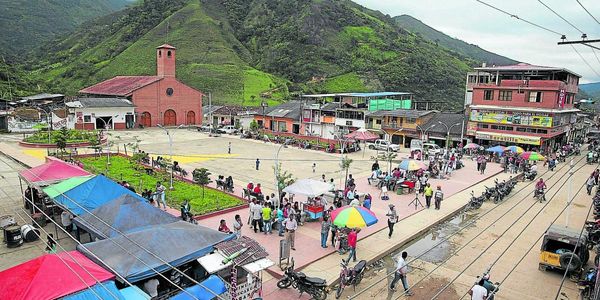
(378, 121)
(169, 92)
(502, 127)
(169, 53)
(484, 126)
(159, 53)
(535, 97)
(87, 119)
(505, 96)
(521, 129)
(488, 95)
(411, 120)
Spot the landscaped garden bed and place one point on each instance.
(71, 138)
(124, 168)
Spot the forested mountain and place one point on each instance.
(28, 23)
(245, 50)
(439, 38)
(590, 90)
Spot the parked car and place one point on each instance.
(420, 146)
(203, 128)
(383, 145)
(229, 129)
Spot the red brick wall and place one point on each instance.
(118, 126)
(154, 99)
(85, 126)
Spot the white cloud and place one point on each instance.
(478, 24)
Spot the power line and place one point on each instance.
(585, 61)
(499, 237)
(588, 12)
(553, 11)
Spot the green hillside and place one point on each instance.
(589, 90)
(439, 38)
(28, 23)
(243, 51)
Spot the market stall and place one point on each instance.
(314, 207)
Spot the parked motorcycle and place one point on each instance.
(529, 175)
(316, 287)
(186, 213)
(475, 202)
(350, 276)
(587, 284)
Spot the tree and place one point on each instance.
(201, 177)
(254, 126)
(387, 157)
(61, 139)
(283, 178)
(345, 165)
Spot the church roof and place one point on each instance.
(120, 85)
(166, 46)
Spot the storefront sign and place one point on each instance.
(517, 139)
(561, 99)
(515, 118)
(471, 128)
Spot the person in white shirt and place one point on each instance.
(478, 292)
(400, 274)
(291, 225)
(256, 211)
(533, 168)
(66, 220)
(151, 287)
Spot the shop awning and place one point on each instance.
(510, 138)
(105, 290)
(214, 283)
(52, 172)
(308, 187)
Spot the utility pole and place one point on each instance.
(583, 41)
(569, 193)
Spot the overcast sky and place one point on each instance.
(478, 24)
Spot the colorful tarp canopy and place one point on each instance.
(308, 187)
(471, 146)
(411, 165)
(51, 172)
(124, 214)
(91, 194)
(532, 156)
(496, 149)
(134, 293)
(66, 185)
(213, 283)
(176, 243)
(49, 277)
(105, 290)
(515, 149)
(362, 135)
(353, 217)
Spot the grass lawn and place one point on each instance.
(122, 168)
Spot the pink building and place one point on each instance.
(522, 104)
(160, 99)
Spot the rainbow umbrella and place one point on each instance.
(515, 149)
(532, 156)
(471, 146)
(353, 217)
(411, 165)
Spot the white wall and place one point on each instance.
(117, 113)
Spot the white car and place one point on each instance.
(432, 149)
(229, 129)
(383, 145)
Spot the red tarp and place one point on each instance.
(52, 171)
(362, 135)
(48, 277)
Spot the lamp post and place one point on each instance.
(170, 149)
(48, 119)
(448, 131)
(264, 105)
(111, 119)
(424, 131)
(276, 170)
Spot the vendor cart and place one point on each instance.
(313, 209)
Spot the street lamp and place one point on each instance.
(424, 132)
(111, 119)
(276, 170)
(448, 131)
(264, 105)
(48, 119)
(170, 149)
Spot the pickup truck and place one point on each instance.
(383, 145)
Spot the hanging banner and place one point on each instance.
(515, 118)
(561, 99)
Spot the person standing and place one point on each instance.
(478, 292)
(325, 226)
(66, 218)
(266, 216)
(237, 226)
(257, 164)
(314, 167)
(352, 238)
(400, 274)
(439, 196)
(590, 184)
(392, 219)
(290, 230)
(280, 220)
(160, 195)
(229, 148)
(428, 192)
(483, 165)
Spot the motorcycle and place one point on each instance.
(489, 193)
(475, 202)
(529, 175)
(350, 276)
(186, 213)
(540, 195)
(316, 287)
(587, 284)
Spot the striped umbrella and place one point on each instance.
(515, 149)
(353, 217)
(411, 165)
(532, 156)
(471, 146)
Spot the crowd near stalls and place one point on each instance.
(126, 247)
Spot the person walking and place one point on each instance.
(392, 219)
(439, 196)
(266, 217)
(257, 164)
(428, 192)
(229, 148)
(400, 274)
(237, 226)
(352, 238)
(280, 220)
(325, 226)
(160, 195)
(314, 167)
(591, 181)
(483, 165)
(290, 230)
(478, 292)
(256, 211)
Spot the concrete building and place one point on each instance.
(523, 104)
(285, 118)
(160, 99)
(398, 126)
(219, 115)
(99, 113)
(319, 120)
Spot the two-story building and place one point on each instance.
(319, 119)
(523, 104)
(398, 126)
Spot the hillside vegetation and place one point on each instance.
(244, 51)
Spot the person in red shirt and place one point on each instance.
(257, 189)
(223, 227)
(352, 237)
(250, 187)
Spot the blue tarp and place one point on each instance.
(496, 149)
(106, 290)
(134, 293)
(125, 214)
(213, 283)
(91, 194)
(177, 243)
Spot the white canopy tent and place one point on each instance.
(308, 187)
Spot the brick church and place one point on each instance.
(159, 99)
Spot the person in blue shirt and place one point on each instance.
(367, 202)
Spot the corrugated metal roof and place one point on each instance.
(42, 96)
(253, 253)
(448, 119)
(406, 113)
(120, 85)
(166, 46)
(290, 110)
(524, 67)
(105, 102)
(364, 95)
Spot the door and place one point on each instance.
(191, 118)
(170, 118)
(146, 119)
